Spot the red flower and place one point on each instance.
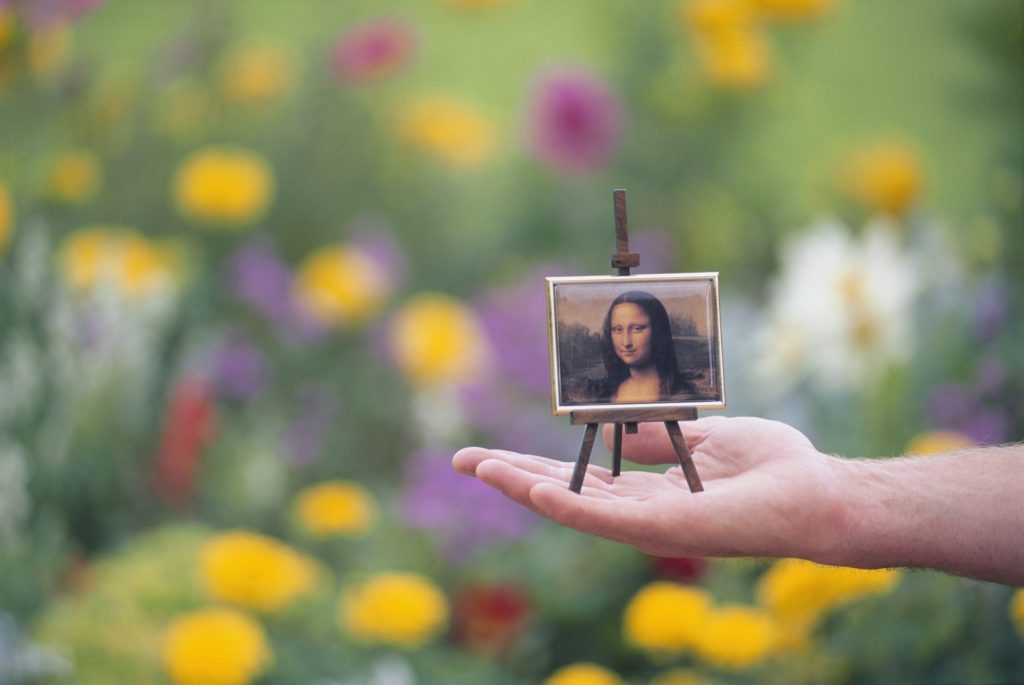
(682, 569)
(489, 618)
(189, 427)
(373, 50)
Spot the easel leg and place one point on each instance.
(683, 454)
(617, 451)
(581, 462)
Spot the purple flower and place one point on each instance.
(657, 250)
(238, 369)
(993, 307)
(303, 439)
(374, 50)
(259, 278)
(464, 512)
(515, 320)
(372, 234)
(574, 120)
(42, 14)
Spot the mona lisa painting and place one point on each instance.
(635, 342)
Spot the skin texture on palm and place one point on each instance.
(769, 492)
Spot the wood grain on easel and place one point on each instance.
(584, 459)
(683, 454)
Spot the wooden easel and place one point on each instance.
(624, 260)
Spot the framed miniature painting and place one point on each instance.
(635, 342)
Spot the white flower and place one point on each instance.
(841, 309)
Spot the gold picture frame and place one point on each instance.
(587, 366)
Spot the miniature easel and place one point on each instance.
(624, 260)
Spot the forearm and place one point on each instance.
(961, 512)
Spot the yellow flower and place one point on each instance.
(716, 16)
(583, 674)
(48, 49)
(934, 442)
(740, 57)
(435, 339)
(665, 617)
(885, 178)
(6, 218)
(7, 26)
(450, 130)
(340, 284)
(678, 676)
(798, 592)
(118, 257)
(336, 508)
(256, 571)
(793, 10)
(1016, 610)
(402, 609)
(74, 177)
(217, 646)
(737, 637)
(223, 186)
(256, 74)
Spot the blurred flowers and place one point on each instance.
(1016, 611)
(224, 187)
(373, 50)
(256, 571)
(799, 592)
(885, 178)
(463, 512)
(731, 38)
(119, 258)
(732, 48)
(335, 508)
(6, 218)
(448, 129)
(665, 618)
(583, 674)
(340, 284)
(793, 10)
(435, 339)
(238, 368)
(936, 442)
(257, 73)
(258, 277)
(574, 120)
(840, 310)
(74, 177)
(399, 609)
(217, 646)
(190, 423)
(737, 637)
(489, 618)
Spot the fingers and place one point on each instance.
(597, 513)
(468, 459)
(516, 483)
(651, 444)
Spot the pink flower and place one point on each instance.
(373, 50)
(574, 121)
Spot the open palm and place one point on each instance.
(763, 480)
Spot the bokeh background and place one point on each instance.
(264, 266)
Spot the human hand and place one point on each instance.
(767, 492)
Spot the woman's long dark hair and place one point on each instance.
(663, 352)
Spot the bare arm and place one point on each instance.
(769, 492)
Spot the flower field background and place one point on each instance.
(265, 266)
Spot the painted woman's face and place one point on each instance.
(631, 334)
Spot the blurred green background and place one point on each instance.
(265, 266)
